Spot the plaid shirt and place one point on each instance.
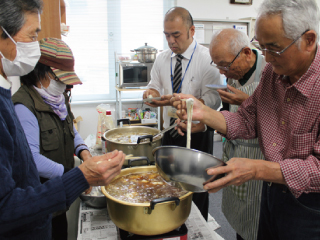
(286, 119)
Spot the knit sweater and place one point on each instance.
(25, 204)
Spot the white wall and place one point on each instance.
(89, 115)
(219, 9)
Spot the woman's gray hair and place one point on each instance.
(297, 15)
(12, 14)
(235, 39)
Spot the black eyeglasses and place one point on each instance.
(272, 52)
(226, 69)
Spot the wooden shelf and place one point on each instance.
(129, 89)
(141, 124)
(138, 123)
(53, 14)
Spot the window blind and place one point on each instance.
(99, 28)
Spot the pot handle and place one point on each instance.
(144, 137)
(140, 158)
(124, 121)
(161, 200)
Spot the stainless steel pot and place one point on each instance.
(146, 54)
(136, 149)
(186, 166)
(156, 217)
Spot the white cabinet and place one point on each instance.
(252, 24)
(208, 26)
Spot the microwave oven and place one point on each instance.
(134, 74)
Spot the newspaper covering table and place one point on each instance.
(95, 224)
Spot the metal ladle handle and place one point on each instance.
(166, 129)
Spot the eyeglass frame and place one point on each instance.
(276, 53)
(54, 75)
(227, 68)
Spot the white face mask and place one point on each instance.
(55, 88)
(28, 55)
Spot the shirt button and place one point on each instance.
(288, 99)
(283, 122)
(274, 144)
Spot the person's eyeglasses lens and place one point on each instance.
(255, 43)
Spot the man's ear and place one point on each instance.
(310, 39)
(247, 51)
(192, 30)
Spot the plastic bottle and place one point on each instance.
(109, 120)
(107, 123)
(101, 108)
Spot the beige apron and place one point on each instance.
(243, 148)
(241, 204)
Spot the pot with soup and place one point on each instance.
(141, 202)
(135, 140)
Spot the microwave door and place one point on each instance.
(134, 76)
(128, 75)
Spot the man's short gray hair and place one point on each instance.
(235, 40)
(12, 14)
(297, 15)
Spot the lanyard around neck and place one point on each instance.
(184, 72)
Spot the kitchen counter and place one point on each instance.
(94, 224)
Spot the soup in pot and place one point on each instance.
(142, 188)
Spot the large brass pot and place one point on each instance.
(136, 149)
(148, 218)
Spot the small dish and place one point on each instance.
(149, 100)
(216, 86)
(95, 198)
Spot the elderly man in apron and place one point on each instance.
(242, 66)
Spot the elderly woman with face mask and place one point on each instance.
(26, 205)
(44, 112)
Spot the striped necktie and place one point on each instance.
(177, 74)
(176, 84)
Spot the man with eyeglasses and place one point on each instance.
(184, 68)
(231, 53)
(284, 113)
